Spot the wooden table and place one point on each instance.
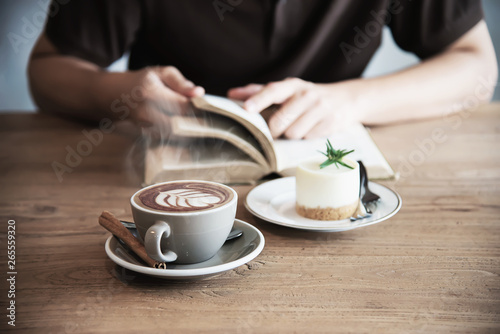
(434, 267)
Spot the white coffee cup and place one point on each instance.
(185, 221)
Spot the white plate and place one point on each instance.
(274, 201)
(233, 254)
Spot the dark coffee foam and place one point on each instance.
(184, 197)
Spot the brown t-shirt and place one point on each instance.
(221, 44)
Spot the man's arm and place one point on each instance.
(432, 88)
(74, 87)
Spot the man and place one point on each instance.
(304, 55)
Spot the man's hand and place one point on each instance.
(163, 91)
(75, 87)
(462, 76)
(307, 110)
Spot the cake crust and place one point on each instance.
(327, 213)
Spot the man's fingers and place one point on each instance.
(174, 79)
(164, 99)
(305, 123)
(195, 91)
(290, 111)
(171, 103)
(273, 93)
(243, 93)
(321, 129)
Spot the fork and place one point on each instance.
(361, 212)
(367, 197)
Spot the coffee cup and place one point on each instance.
(184, 221)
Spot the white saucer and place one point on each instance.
(233, 254)
(274, 201)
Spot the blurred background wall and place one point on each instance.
(25, 18)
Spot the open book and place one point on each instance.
(223, 142)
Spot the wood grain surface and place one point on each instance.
(432, 268)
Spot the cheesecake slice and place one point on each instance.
(330, 193)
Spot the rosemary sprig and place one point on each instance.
(334, 156)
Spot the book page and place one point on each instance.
(236, 108)
(213, 160)
(209, 125)
(291, 152)
(254, 123)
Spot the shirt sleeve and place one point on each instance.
(99, 31)
(427, 27)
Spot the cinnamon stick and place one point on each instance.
(113, 225)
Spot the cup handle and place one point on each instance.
(152, 242)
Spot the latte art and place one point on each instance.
(184, 196)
